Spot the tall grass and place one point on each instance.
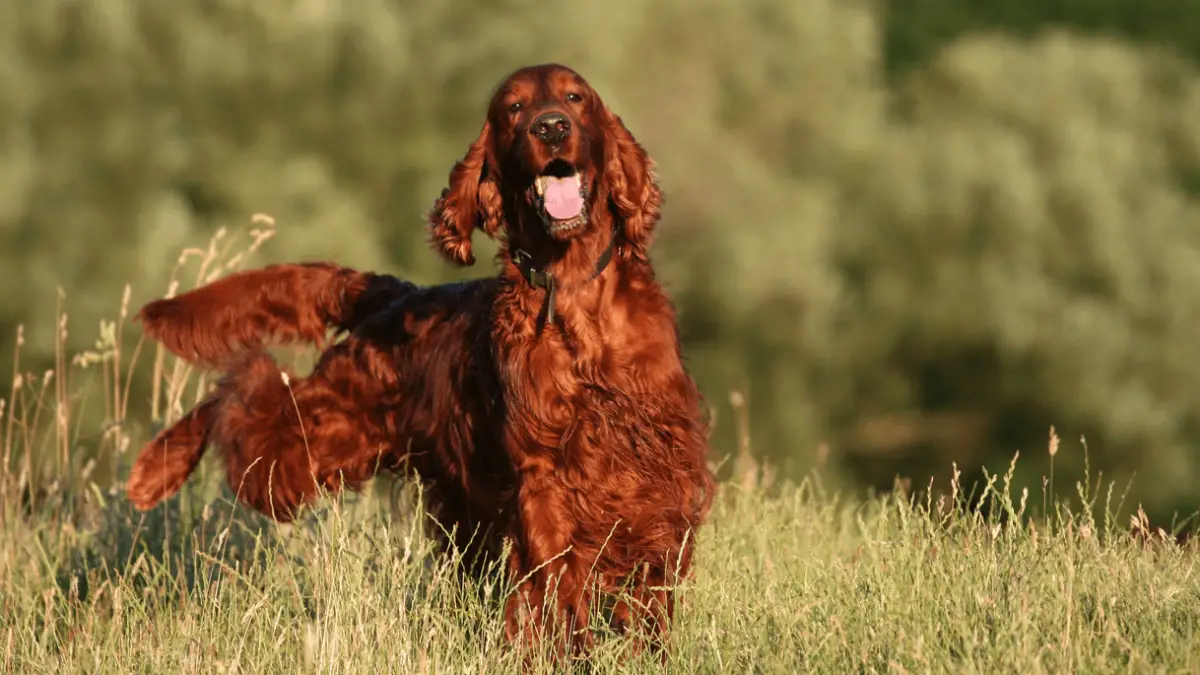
(790, 577)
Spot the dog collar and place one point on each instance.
(542, 278)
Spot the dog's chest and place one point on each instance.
(557, 387)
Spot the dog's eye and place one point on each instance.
(515, 108)
(574, 98)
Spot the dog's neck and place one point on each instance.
(564, 271)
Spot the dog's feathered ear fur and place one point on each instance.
(631, 182)
(471, 200)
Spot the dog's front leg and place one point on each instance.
(546, 570)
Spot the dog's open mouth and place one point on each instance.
(560, 195)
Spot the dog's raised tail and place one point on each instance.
(277, 304)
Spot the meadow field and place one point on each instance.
(978, 575)
(789, 579)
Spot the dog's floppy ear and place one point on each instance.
(472, 200)
(632, 185)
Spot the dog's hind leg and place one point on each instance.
(286, 439)
(165, 463)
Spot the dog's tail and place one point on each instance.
(277, 304)
(251, 415)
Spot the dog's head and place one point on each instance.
(551, 165)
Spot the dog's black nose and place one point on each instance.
(551, 127)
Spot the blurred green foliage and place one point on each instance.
(909, 270)
(917, 29)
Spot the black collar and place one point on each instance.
(542, 278)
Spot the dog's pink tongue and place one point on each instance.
(563, 201)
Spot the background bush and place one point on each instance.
(909, 238)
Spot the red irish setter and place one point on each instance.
(548, 406)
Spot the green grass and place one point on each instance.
(789, 577)
(792, 581)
